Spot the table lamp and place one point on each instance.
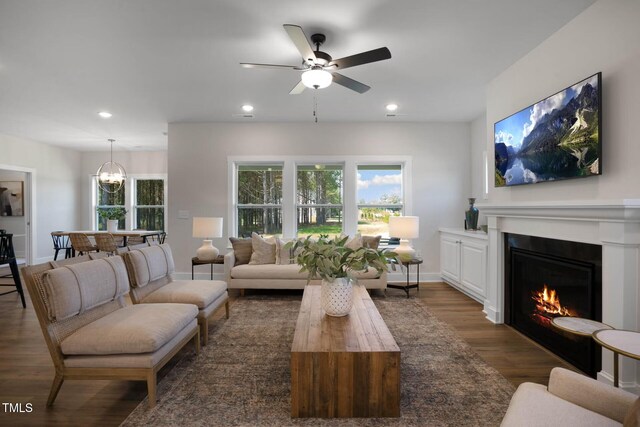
(404, 227)
(207, 228)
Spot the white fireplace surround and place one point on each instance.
(613, 224)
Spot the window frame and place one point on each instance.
(129, 197)
(400, 206)
(318, 205)
(134, 197)
(234, 194)
(289, 183)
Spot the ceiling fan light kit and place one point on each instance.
(319, 68)
(316, 78)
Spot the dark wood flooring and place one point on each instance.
(26, 370)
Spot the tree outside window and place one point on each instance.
(259, 200)
(379, 197)
(319, 199)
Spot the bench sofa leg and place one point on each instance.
(151, 388)
(226, 307)
(196, 341)
(204, 331)
(241, 292)
(55, 388)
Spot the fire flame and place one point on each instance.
(548, 301)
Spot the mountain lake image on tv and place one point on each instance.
(556, 138)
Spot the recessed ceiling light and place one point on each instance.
(105, 114)
(392, 107)
(247, 108)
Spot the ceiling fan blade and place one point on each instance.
(298, 89)
(251, 65)
(350, 83)
(301, 41)
(362, 58)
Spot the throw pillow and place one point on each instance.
(242, 250)
(283, 256)
(355, 242)
(371, 242)
(264, 250)
(633, 416)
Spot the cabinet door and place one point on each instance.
(473, 261)
(450, 258)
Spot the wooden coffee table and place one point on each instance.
(343, 366)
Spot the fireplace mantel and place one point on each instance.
(613, 224)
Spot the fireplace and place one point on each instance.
(546, 278)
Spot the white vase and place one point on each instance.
(112, 225)
(337, 297)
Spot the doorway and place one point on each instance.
(16, 209)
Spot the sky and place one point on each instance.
(374, 183)
(515, 128)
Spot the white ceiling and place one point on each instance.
(152, 62)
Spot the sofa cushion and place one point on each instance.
(533, 406)
(242, 249)
(149, 264)
(198, 292)
(285, 272)
(264, 250)
(283, 256)
(355, 242)
(76, 288)
(141, 328)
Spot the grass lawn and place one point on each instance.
(317, 229)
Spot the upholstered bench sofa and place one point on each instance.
(281, 272)
(91, 331)
(151, 276)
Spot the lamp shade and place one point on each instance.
(404, 227)
(207, 227)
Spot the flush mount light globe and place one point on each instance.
(392, 107)
(111, 175)
(316, 78)
(247, 108)
(105, 114)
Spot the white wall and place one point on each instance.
(56, 186)
(134, 163)
(606, 37)
(198, 169)
(478, 148)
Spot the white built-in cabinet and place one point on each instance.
(463, 261)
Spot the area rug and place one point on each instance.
(241, 378)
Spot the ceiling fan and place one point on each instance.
(318, 68)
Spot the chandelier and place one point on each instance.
(111, 175)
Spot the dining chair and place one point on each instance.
(61, 243)
(8, 257)
(81, 243)
(106, 243)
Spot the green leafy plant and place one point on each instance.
(330, 259)
(112, 213)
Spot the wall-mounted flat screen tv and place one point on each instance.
(556, 138)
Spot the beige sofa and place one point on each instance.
(570, 400)
(275, 276)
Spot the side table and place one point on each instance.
(406, 287)
(197, 261)
(622, 342)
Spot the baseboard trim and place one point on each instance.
(630, 386)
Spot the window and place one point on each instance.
(148, 209)
(319, 200)
(143, 196)
(259, 200)
(106, 200)
(379, 197)
(312, 195)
